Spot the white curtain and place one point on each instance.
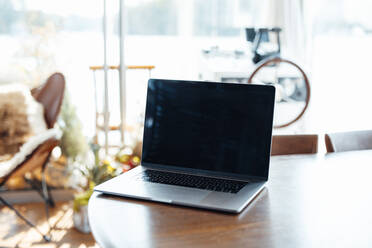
(288, 15)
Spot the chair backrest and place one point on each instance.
(348, 141)
(294, 144)
(50, 95)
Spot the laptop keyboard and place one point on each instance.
(199, 182)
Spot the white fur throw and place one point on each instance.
(21, 117)
(22, 126)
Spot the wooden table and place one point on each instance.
(310, 201)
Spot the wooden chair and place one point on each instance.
(348, 141)
(294, 144)
(50, 95)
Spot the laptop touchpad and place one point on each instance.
(173, 193)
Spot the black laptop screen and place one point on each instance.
(209, 126)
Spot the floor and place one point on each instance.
(15, 233)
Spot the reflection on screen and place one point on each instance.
(209, 126)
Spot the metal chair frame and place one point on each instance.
(43, 190)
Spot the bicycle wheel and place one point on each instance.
(292, 88)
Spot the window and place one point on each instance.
(341, 82)
(222, 17)
(157, 17)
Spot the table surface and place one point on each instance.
(310, 201)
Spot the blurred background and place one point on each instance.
(330, 39)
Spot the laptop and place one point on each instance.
(205, 145)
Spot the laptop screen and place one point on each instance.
(209, 126)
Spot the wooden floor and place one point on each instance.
(15, 233)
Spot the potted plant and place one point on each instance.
(96, 173)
